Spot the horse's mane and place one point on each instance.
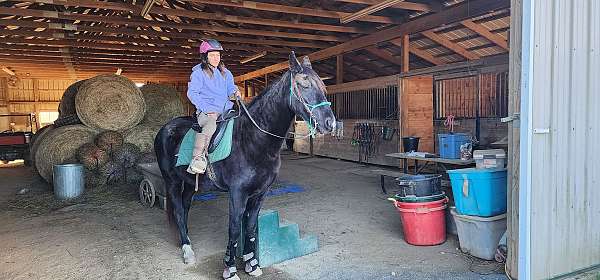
(275, 87)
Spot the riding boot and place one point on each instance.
(199, 160)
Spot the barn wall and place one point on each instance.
(416, 103)
(560, 128)
(342, 147)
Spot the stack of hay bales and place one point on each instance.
(118, 124)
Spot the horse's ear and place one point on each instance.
(295, 66)
(306, 62)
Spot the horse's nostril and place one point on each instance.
(329, 123)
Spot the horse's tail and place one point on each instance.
(164, 148)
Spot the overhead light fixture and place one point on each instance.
(8, 71)
(326, 78)
(119, 71)
(147, 7)
(369, 10)
(254, 57)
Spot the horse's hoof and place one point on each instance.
(188, 254)
(230, 273)
(256, 272)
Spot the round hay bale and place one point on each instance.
(35, 142)
(92, 156)
(110, 102)
(112, 171)
(128, 155)
(162, 104)
(142, 136)
(59, 145)
(109, 140)
(66, 107)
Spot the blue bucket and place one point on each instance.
(479, 192)
(68, 180)
(449, 144)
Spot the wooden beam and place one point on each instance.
(200, 15)
(260, 6)
(402, 5)
(147, 6)
(125, 43)
(484, 32)
(446, 43)
(384, 55)
(146, 23)
(369, 10)
(426, 56)
(405, 53)
(149, 33)
(456, 13)
(8, 71)
(339, 77)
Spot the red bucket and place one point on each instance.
(424, 223)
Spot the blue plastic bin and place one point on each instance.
(479, 192)
(449, 144)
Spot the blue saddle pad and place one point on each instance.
(221, 152)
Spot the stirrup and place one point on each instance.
(198, 165)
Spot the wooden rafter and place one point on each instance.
(452, 14)
(402, 5)
(209, 16)
(294, 10)
(146, 23)
(384, 55)
(486, 33)
(420, 53)
(446, 43)
(108, 32)
(369, 10)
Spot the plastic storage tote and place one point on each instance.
(449, 144)
(479, 192)
(489, 158)
(479, 236)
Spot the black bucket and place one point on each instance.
(410, 144)
(419, 185)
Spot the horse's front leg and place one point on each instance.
(237, 206)
(189, 257)
(251, 220)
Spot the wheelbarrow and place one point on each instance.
(152, 187)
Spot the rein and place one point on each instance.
(309, 108)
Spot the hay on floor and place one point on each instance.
(110, 102)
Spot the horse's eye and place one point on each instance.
(303, 81)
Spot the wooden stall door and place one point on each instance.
(416, 110)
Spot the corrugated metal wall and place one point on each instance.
(564, 161)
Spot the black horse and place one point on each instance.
(254, 162)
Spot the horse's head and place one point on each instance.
(307, 96)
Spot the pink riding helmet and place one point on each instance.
(210, 45)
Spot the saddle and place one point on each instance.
(222, 122)
(220, 144)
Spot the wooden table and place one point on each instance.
(439, 162)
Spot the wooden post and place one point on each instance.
(246, 89)
(514, 97)
(405, 53)
(340, 69)
(36, 99)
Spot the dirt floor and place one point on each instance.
(108, 234)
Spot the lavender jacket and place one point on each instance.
(211, 94)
